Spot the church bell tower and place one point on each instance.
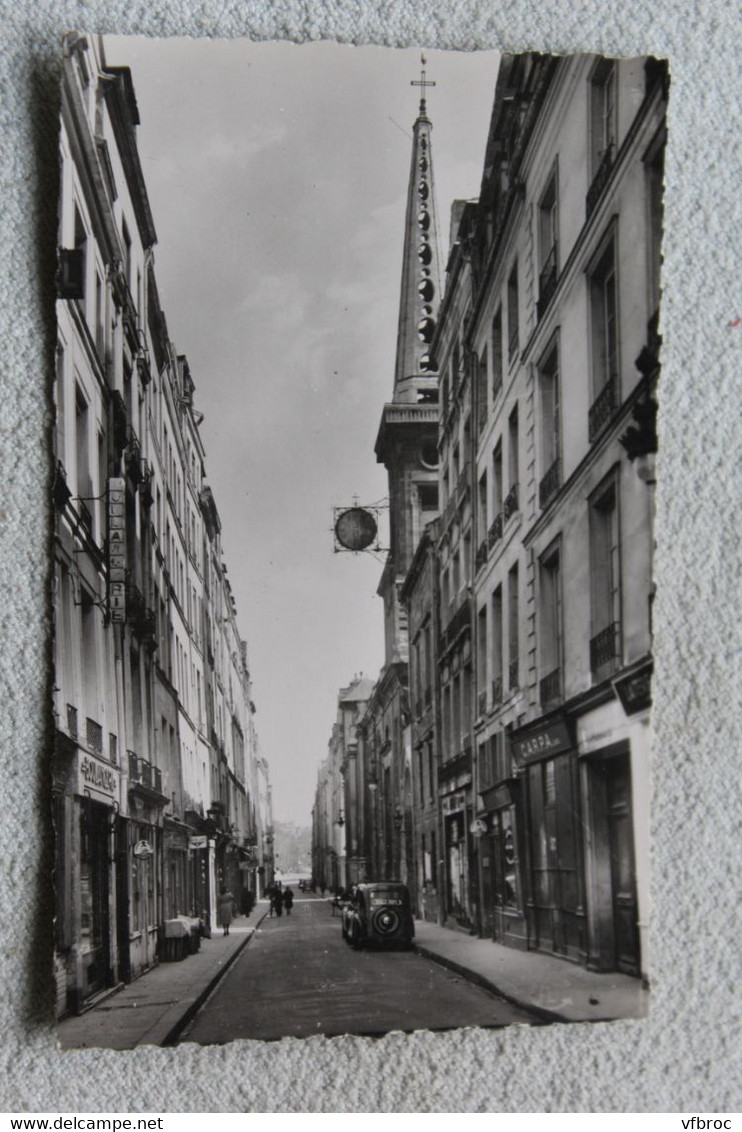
(407, 442)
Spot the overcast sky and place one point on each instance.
(277, 176)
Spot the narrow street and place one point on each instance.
(298, 977)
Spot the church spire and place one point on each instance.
(420, 290)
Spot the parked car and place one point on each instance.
(379, 914)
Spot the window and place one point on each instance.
(482, 660)
(655, 172)
(603, 290)
(82, 443)
(550, 614)
(482, 499)
(511, 503)
(100, 317)
(548, 244)
(550, 427)
(513, 312)
(497, 689)
(605, 582)
(513, 673)
(602, 114)
(496, 354)
(603, 129)
(481, 392)
(126, 239)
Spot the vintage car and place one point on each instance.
(378, 914)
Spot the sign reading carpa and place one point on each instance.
(355, 529)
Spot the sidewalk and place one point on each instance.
(556, 989)
(155, 1007)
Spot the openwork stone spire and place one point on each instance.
(420, 289)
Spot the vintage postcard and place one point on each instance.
(356, 392)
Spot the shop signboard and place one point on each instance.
(541, 742)
(199, 842)
(97, 778)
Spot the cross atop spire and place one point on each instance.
(422, 82)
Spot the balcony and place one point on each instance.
(494, 534)
(482, 703)
(133, 455)
(462, 483)
(510, 506)
(603, 407)
(604, 650)
(143, 773)
(61, 494)
(549, 484)
(551, 686)
(142, 619)
(513, 682)
(145, 484)
(118, 420)
(84, 518)
(547, 282)
(481, 555)
(94, 736)
(600, 180)
(497, 691)
(72, 721)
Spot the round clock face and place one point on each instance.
(355, 529)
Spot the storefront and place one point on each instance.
(501, 859)
(614, 745)
(459, 863)
(86, 794)
(555, 907)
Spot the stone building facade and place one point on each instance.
(529, 768)
(153, 772)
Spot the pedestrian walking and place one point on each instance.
(276, 901)
(288, 900)
(225, 908)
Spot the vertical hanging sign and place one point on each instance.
(117, 549)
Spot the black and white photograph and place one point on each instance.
(357, 385)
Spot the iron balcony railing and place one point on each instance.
(604, 647)
(94, 735)
(141, 617)
(551, 686)
(547, 282)
(510, 506)
(497, 691)
(603, 407)
(494, 534)
(600, 180)
(549, 484)
(142, 772)
(133, 455)
(481, 555)
(513, 675)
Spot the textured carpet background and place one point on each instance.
(687, 1055)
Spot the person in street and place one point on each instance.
(288, 900)
(276, 901)
(225, 908)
